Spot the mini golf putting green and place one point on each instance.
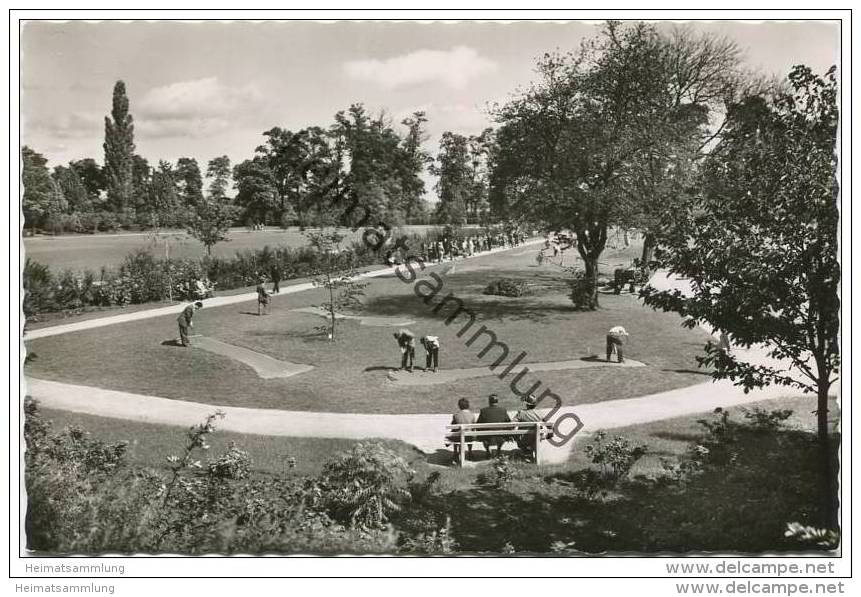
(420, 377)
(363, 320)
(265, 366)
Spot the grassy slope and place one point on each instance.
(350, 375)
(542, 505)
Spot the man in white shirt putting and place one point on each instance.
(615, 340)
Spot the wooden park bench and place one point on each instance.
(463, 435)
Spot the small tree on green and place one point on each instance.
(762, 253)
(211, 223)
(335, 271)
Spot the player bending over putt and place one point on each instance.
(184, 321)
(431, 346)
(615, 339)
(407, 343)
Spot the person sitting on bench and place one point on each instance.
(493, 413)
(526, 443)
(464, 416)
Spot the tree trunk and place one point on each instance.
(591, 282)
(828, 480)
(648, 254)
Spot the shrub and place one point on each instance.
(363, 487)
(233, 464)
(581, 290)
(503, 473)
(38, 288)
(507, 287)
(766, 420)
(616, 457)
(145, 275)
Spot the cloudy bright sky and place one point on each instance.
(209, 89)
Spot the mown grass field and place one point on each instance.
(350, 374)
(78, 252)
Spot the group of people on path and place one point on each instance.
(449, 247)
(493, 413)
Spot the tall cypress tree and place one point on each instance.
(119, 151)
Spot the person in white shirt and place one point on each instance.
(431, 346)
(615, 340)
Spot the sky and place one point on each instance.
(208, 89)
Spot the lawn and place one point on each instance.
(79, 252)
(350, 374)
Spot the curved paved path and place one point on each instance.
(265, 366)
(425, 431)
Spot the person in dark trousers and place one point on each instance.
(431, 346)
(493, 413)
(463, 416)
(184, 321)
(407, 343)
(526, 443)
(275, 274)
(615, 340)
(262, 299)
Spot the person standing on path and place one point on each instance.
(431, 346)
(275, 274)
(407, 343)
(262, 299)
(184, 321)
(615, 340)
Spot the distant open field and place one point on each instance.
(78, 252)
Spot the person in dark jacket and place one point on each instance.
(184, 321)
(493, 413)
(275, 274)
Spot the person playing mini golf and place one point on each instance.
(431, 346)
(615, 339)
(262, 299)
(184, 321)
(407, 343)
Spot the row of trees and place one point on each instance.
(361, 167)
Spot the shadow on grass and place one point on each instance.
(676, 436)
(689, 371)
(173, 342)
(380, 368)
(514, 309)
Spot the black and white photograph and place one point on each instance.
(439, 287)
